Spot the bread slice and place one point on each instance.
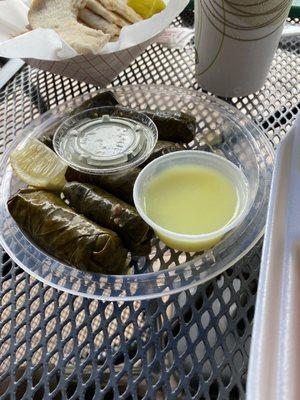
(61, 15)
(53, 13)
(95, 21)
(83, 39)
(110, 16)
(121, 7)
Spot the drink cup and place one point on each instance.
(235, 41)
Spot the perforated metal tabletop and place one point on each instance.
(194, 345)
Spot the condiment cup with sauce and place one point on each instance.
(192, 198)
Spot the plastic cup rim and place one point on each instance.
(234, 222)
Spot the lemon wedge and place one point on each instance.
(38, 166)
(146, 8)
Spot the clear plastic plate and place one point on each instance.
(220, 129)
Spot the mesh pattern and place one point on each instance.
(189, 346)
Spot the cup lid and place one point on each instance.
(105, 139)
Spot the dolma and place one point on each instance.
(66, 235)
(143, 248)
(119, 184)
(162, 147)
(108, 211)
(173, 126)
(100, 100)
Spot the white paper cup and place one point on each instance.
(235, 42)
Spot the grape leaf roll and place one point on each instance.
(66, 235)
(174, 126)
(119, 184)
(100, 100)
(161, 148)
(107, 210)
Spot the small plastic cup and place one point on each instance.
(105, 140)
(202, 241)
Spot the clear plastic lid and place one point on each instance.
(105, 140)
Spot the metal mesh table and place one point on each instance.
(194, 345)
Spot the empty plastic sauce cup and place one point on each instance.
(192, 198)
